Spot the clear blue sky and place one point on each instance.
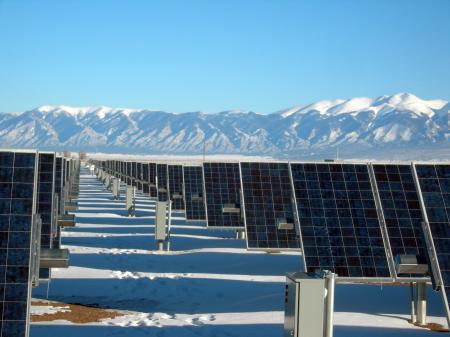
(213, 55)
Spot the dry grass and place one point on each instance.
(75, 313)
(436, 327)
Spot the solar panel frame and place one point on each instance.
(175, 184)
(375, 234)
(431, 227)
(270, 205)
(195, 210)
(16, 265)
(237, 199)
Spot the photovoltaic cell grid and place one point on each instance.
(59, 191)
(134, 173)
(434, 182)
(269, 203)
(129, 173)
(17, 190)
(161, 172)
(145, 179)
(193, 193)
(222, 188)
(45, 202)
(401, 210)
(152, 179)
(339, 224)
(176, 186)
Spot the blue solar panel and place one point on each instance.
(59, 194)
(17, 206)
(175, 176)
(223, 195)
(401, 210)
(269, 205)
(193, 192)
(339, 222)
(434, 182)
(162, 183)
(45, 196)
(153, 191)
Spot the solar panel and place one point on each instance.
(134, 173)
(145, 179)
(58, 177)
(129, 173)
(161, 174)
(269, 206)
(339, 224)
(434, 184)
(401, 212)
(193, 192)
(17, 207)
(153, 191)
(223, 195)
(175, 175)
(46, 185)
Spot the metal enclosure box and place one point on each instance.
(116, 188)
(410, 264)
(130, 198)
(305, 305)
(160, 222)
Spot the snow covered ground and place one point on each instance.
(208, 285)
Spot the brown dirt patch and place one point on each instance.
(77, 313)
(436, 327)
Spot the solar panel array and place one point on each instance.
(45, 196)
(400, 210)
(175, 176)
(17, 206)
(193, 192)
(434, 182)
(338, 220)
(223, 195)
(270, 219)
(355, 219)
(162, 183)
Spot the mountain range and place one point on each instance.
(396, 127)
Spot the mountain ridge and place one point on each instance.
(358, 124)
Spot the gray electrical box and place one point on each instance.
(160, 223)
(130, 202)
(116, 188)
(305, 305)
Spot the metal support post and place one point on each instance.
(412, 303)
(169, 223)
(329, 304)
(421, 303)
(116, 189)
(130, 201)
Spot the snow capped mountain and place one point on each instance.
(358, 125)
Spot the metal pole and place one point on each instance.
(160, 245)
(330, 304)
(412, 303)
(169, 223)
(421, 303)
(242, 234)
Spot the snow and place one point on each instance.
(48, 309)
(208, 285)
